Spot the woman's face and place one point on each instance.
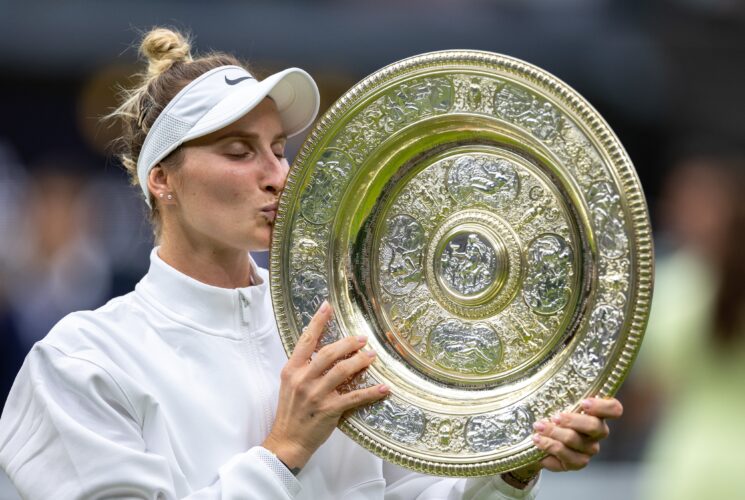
(227, 186)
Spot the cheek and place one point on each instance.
(225, 188)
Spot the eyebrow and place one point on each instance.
(246, 135)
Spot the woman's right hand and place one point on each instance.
(309, 405)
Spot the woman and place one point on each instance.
(178, 389)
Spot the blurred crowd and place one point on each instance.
(70, 241)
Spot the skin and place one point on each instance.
(224, 194)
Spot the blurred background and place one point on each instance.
(668, 76)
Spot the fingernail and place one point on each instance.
(383, 389)
(586, 404)
(556, 419)
(539, 426)
(371, 354)
(361, 339)
(325, 306)
(537, 439)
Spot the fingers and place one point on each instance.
(561, 457)
(308, 341)
(344, 370)
(590, 426)
(329, 354)
(569, 437)
(603, 408)
(572, 439)
(362, 397)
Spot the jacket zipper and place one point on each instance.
(254, 359)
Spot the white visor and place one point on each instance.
(217, 99)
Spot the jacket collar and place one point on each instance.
(229, 312)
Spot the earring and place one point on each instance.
(161, 195)
(170, 196)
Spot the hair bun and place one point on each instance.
(163, 47)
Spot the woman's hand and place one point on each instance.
(309, 405)
(570, 439)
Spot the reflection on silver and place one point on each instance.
(607, 216)
(402, 423)
(320, 197)
(490, 432)
(463, 347)
(473, 178)
(592, 353)
(468, 263)
(549, 269)
(401, 255)
(309, 290)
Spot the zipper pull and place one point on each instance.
(244, 308)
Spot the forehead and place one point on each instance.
(263, 121)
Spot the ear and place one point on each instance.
(159, 184)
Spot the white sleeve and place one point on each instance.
(68, 431)
(406, 485)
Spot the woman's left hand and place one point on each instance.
(572, 439)
(569, 439)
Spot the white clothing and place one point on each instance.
(167, 392)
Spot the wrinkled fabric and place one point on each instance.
(168, 392)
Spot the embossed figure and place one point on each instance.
(547, 285)
(309, 290)
(321, 195)
(463, 347)
(605, 327)
(607, 217)
(403, 423)
(307, 252)
(482, 178)
(521, 107)
(401, 254)
(491, 432)
(468, 267)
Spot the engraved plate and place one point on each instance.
(481, 224)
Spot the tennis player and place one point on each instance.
(181, 388)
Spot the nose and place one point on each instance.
(276, 170)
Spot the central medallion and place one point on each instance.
(473, 264)
(469, 264)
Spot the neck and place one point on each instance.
(224, 268)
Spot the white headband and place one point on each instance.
(217, 99)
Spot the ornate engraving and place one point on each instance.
(490, 432)
(401, 255)
(559, 394)
(403, 423)
(528, 110)
(398, 107)
(507, 267)
(474, 94)
(473, 178)
(607, 217)
(322, 194)
(307, 254)
(468, 263)
(523, 193)
(605, 326)
(445, 434)
(309, 290)
(463, 347)
(550, 268)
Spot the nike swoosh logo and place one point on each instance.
(237, 80)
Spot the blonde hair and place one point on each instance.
(170, 68)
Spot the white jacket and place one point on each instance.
(168, 392)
